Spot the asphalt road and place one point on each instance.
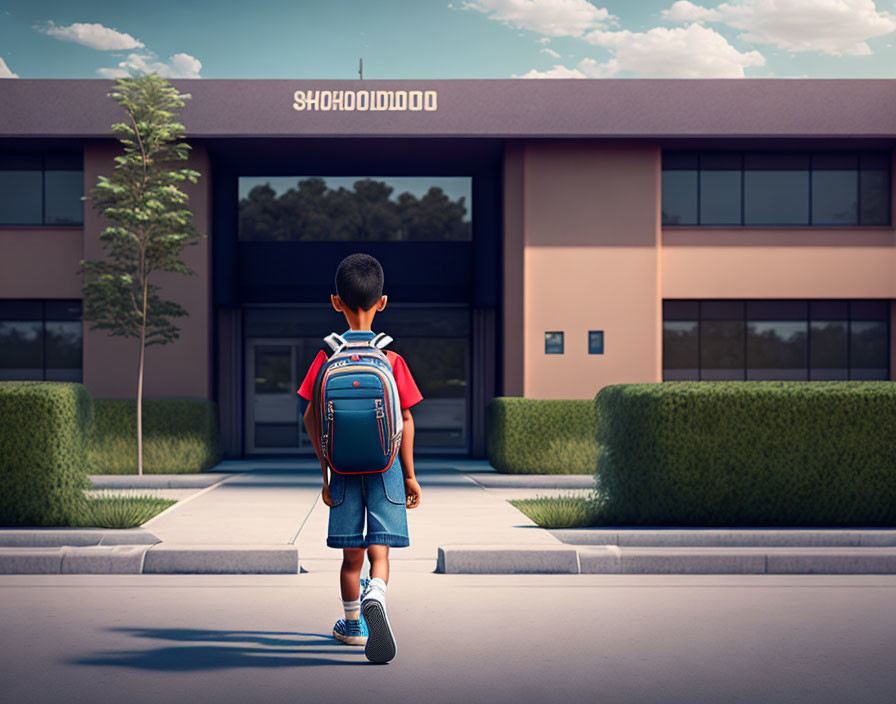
(464, 639)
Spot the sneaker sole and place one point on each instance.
(380, 641)
(350, 640)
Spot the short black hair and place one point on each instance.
(359, 281)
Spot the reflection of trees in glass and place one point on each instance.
(679, 344)
(312, 211)
(779, 345)
(869, 344)
(436, 363)
(63, 345)
(722, 344)
(875, 197)
(272, 370)
(20, 344)
(828, 348)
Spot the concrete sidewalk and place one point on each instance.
(267, 516)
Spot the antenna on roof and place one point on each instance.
(360, 69)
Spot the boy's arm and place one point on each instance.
(406, 451)
(411, 486)
(312, 433)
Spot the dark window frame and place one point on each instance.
(43, 185)
(44, 319)
(810, 154)
(850, 316)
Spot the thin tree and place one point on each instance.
(150, 223)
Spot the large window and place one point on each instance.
(41, 188)
(776, 188)
(392, 208)
(804, 340)
(41, 340)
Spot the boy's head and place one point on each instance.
(359, 282)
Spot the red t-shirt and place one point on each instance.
(408, 393)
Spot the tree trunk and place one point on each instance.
(140, 389)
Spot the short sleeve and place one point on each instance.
(408, 392)
(308, 382)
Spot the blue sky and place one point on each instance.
(429, 39)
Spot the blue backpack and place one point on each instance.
(356, 404)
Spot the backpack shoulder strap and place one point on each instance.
(335, 341)
(380, 340)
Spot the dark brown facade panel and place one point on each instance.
(658, 108)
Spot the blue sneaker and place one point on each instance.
(351, 631)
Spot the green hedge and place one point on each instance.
(43, 451)
(747, 453)
(179, 436)
(541, 436)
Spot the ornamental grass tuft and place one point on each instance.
(113, 510)
(569, 511)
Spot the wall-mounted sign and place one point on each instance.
(553, 343)
(369, 100)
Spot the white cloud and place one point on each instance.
(95, 36)
(835, 27)
(681, 52)
(551, 52)
(557, 72)
(543, 40)
(178, 66)
(5, 71)
(684, 11)
(554, 18)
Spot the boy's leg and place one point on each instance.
(349, 576)
(379, 561)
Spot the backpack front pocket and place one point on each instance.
(357, 446)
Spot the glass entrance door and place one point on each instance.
(434, 341)
(271, 415)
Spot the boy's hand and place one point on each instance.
(412, 492)
(325, 493)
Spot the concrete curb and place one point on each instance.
(221, 559)
(612, 559)
(507, 559)
(151, 559)
(57, 537)
(728, 537)
(497, 480)
(159, 558)
(157, 481)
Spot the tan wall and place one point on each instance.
(585, 218)
(591, 262)
(181, 368)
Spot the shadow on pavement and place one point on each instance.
(263, 649)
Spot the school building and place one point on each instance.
(540, 238)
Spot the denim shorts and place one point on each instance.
(382, 493)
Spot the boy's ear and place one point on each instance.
(382, 303)
(336, 301)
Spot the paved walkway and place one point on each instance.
(279, 502)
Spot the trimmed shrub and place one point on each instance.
(179, 436)
(541, 436)
(747, 453)
(43, 453)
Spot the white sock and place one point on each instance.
(352, 609)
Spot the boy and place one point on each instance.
(359, 287)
